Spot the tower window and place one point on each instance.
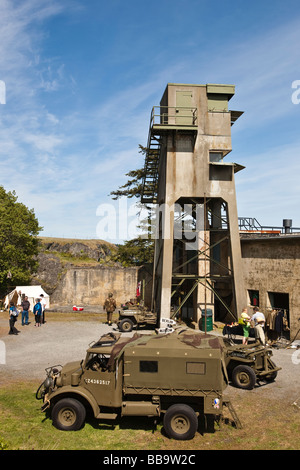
(215, 157)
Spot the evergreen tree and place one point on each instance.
(139, 250)
(135, 252)
(134, 186)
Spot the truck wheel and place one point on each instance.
(68, 414)
(180, 422)
(126, 325)
(244, 377)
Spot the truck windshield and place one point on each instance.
(96, 361)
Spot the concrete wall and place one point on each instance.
(91, 285)
(272, 265)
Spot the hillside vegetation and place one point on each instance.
(94, 249)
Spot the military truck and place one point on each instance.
(180, 376)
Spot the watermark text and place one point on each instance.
(162, 221)
(296, 357)
(2, 92)
(296, 94)
(2, 353)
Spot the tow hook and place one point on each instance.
(45, 406)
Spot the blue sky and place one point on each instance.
(81, 78)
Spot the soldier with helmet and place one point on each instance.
(110, 306)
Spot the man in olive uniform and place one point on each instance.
(110, 306)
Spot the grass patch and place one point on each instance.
(78, 260)
(77, 316)
(25, 427)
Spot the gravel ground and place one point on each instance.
(35, 348)
(25, 356)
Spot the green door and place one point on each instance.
(184, 112)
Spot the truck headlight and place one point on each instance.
(48, 383)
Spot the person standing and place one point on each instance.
(258, 320)
(37, 311)
(43, 304)
(244, 321)
(25, 304)
(13, 314)
(110, 306)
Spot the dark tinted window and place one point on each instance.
(148, 366)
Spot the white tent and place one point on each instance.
(32, 292)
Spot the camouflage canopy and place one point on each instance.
(179, 339)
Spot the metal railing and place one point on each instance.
(250, 224)
(173, 116)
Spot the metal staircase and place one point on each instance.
(164, 119)
(150, 183)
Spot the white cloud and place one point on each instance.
(43, 142)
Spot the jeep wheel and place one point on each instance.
(180, 422)
(244, 377)
(273, 373)
(68, 414)
(126, 325)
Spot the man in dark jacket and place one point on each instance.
(25, 308)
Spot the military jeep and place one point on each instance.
(135, 317)
(247, 364)
(178, 376)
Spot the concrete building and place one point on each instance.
(271, 265)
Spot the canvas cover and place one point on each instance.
(32, 292)
(183, 361)
(186, 363)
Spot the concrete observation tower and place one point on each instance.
(197, 266)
